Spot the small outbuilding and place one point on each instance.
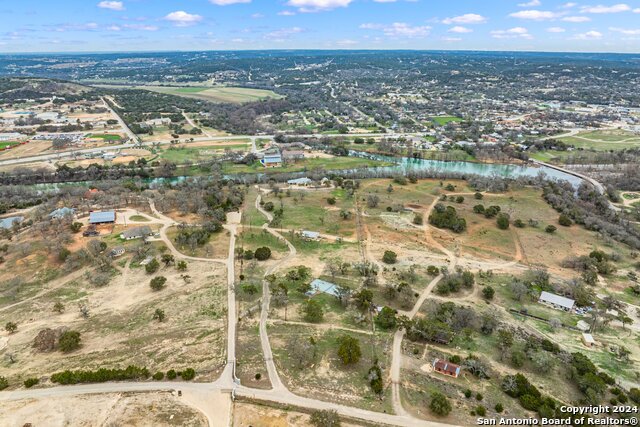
(587, 340)
(583, 326)
(310, 235)
(272, 160)
(446, 368)
(107, 217)
(116, 252)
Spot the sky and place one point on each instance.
(193, 25)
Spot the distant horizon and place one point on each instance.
(81, 26)
(343, 50)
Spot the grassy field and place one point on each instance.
(328, 378)
(194, 154)
(604, 140)
(216, 94)
(334, 163)
(106, 136)
(6, 144)
(443, 120)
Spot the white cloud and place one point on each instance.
(569, 5)
(636, 10)
(282, 34)
(625, 31)
(451, 39)
(346, 42)
(181, 18)
(460, 29)
(309, 6)
(113, 28)
(589, 35)
(556, 30)
(531, 3)
(576, 19)
(385, 1)
(616, 8)
(286, 13)
(113, 5)
(257, 16)
(399, 30)
(141, 27)
(227, 2)
(511, 33)
(535, 15)
(467, 18)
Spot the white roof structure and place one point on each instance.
(300, 181)
(310, 234)
(554, 299)
(588, 338)
(582, 325)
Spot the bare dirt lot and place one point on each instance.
(112, 409)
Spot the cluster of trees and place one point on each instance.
(453, 282)
(197, 236)
(186, 374)
(519, 387)
(591, 209)
(447, 217)
(131, 372)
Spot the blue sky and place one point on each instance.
(152, 25)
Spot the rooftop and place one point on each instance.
(97, 217)
(557, 299)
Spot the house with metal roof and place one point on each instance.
(8, 222)
(106, 217)
(272, 160)
(310, 235)
(136, 233)
(446, 368)
(322, 286)
(300, 182)
(556, 301)
(62, 212)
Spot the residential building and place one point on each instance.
(446, 368)
(136, 233)
(62, 212)
(8, 222)
(300, 182)
(272, 160)
(322, 286)
(292, 155)
(556, 301)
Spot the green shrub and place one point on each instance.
(69, 341)
(481, 410)
(499, 408)
(158, 283)
(467, 393)
(503, 221)
(390, 257)
(564, 220)
(99, 376)
(188, 374)
(349, 349)
(30, 382)
(171, 374)
(3, 383)
(262, 254)
(439, 404)
(152, 266)
(158, 376)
